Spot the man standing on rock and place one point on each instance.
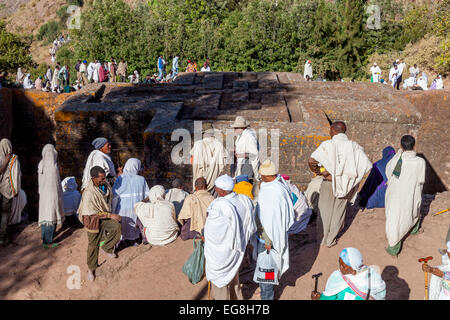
(100, 157)
(246, 150)
(344, 165)
(95, 214)
(207, 157)
(228, 228)
(10, 180)
(406, 175)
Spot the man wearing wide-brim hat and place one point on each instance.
(246, 151)
(208, 157)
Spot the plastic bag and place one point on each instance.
(266, 269)
(194, 266)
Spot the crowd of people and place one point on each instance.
(243, 215)
(57, 43)
(58, 79)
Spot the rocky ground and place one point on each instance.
(28, 271)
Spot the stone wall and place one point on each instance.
(140, 119)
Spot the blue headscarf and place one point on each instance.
(99, 142)
(243, 177)
(388, 153)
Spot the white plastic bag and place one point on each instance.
(266, 269)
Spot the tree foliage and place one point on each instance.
(14, 51)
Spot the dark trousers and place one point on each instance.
(47, 232)
(5, 211)
(109, 231)
(397, 83)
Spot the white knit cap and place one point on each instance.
(225, 183)
(268, 168)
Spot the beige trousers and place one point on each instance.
(232, 291)
(332, 214)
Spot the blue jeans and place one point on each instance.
(160, 75)
(267, 290)
(47, 233)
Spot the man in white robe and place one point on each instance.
(96, 73)
(307, 71)
(406, 175)
(246, 151)
(414, 71)
(376, 72)
(157, 218)
(275, 215)
(345, 164)
(208, 157)
(176, 195)
(440, 277)
(228, 228)
(393, 76)
(100, 157)
(90, 71)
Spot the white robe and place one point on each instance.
(376, 73)
(90, 71)
(55, 79)
(439, 84)
(51, 207)
(403, 195)
(345, 160)
(97, 158)
(393, 75)
(276, 214)
(96, 74)
(159, 222)
(422, 82)
(307, 70)
(247, 142)
(176, 196)
(18, 204)
(437, 292)
(301, 209)
(209, 156)
(228, 228)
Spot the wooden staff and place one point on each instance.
(209, 290)
(425, 262)
(441, 212)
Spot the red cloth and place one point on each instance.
(102, 74)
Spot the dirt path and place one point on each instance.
(28, 271)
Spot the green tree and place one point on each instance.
(14, 51)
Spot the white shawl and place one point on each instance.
(176, 196)
(276, 214)
(97, 158)
(158, 218)
(308, 70)
(224, 245)
(403, 195)
(51, 208)
(436, 290)
(345, 160)
(209, 157)
(18, 204)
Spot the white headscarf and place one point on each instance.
(69, 184)
(225, 183)
(132, 167)
(156, 193)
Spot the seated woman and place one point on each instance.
(374, 189)
(157, 219)
(353, 280)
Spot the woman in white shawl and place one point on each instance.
(353, 280)
(90, 71)
(440, 277)
(71, 200)
(55, 79)
(157, 217)
(51, 208)
(129, 189)
(10, 180)
(19, 76)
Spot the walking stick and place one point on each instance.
(425, 262)
(441, 212)
(209, 290)
(316, 277)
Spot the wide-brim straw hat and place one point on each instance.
(268, 168)
(240, 122)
